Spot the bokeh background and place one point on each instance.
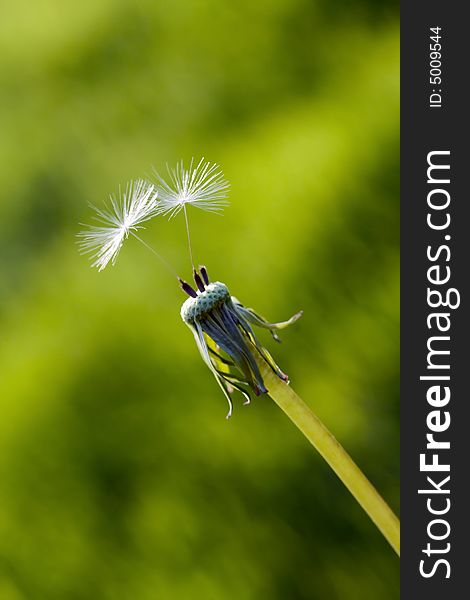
(120, 478)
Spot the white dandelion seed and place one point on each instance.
(127, 211)
(202, 186)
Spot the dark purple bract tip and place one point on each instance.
(204, 274)
(198, 281)
(188, 289)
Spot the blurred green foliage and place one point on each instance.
(119, 477)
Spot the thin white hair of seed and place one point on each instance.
(124, 215)
(202, 186)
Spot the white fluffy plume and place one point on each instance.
(137, 204)
(202, 186)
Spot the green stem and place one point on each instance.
(335, 455)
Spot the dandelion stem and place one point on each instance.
(189, 235)
(335, 455)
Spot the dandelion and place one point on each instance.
(221, 324)
(127, 211)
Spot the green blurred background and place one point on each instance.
(120, 478)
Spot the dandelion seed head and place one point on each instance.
(195, 308)
(202, 186)
(125, 212)
(223, 330)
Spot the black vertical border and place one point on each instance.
(424, 129)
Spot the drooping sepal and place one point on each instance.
(256, 319)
